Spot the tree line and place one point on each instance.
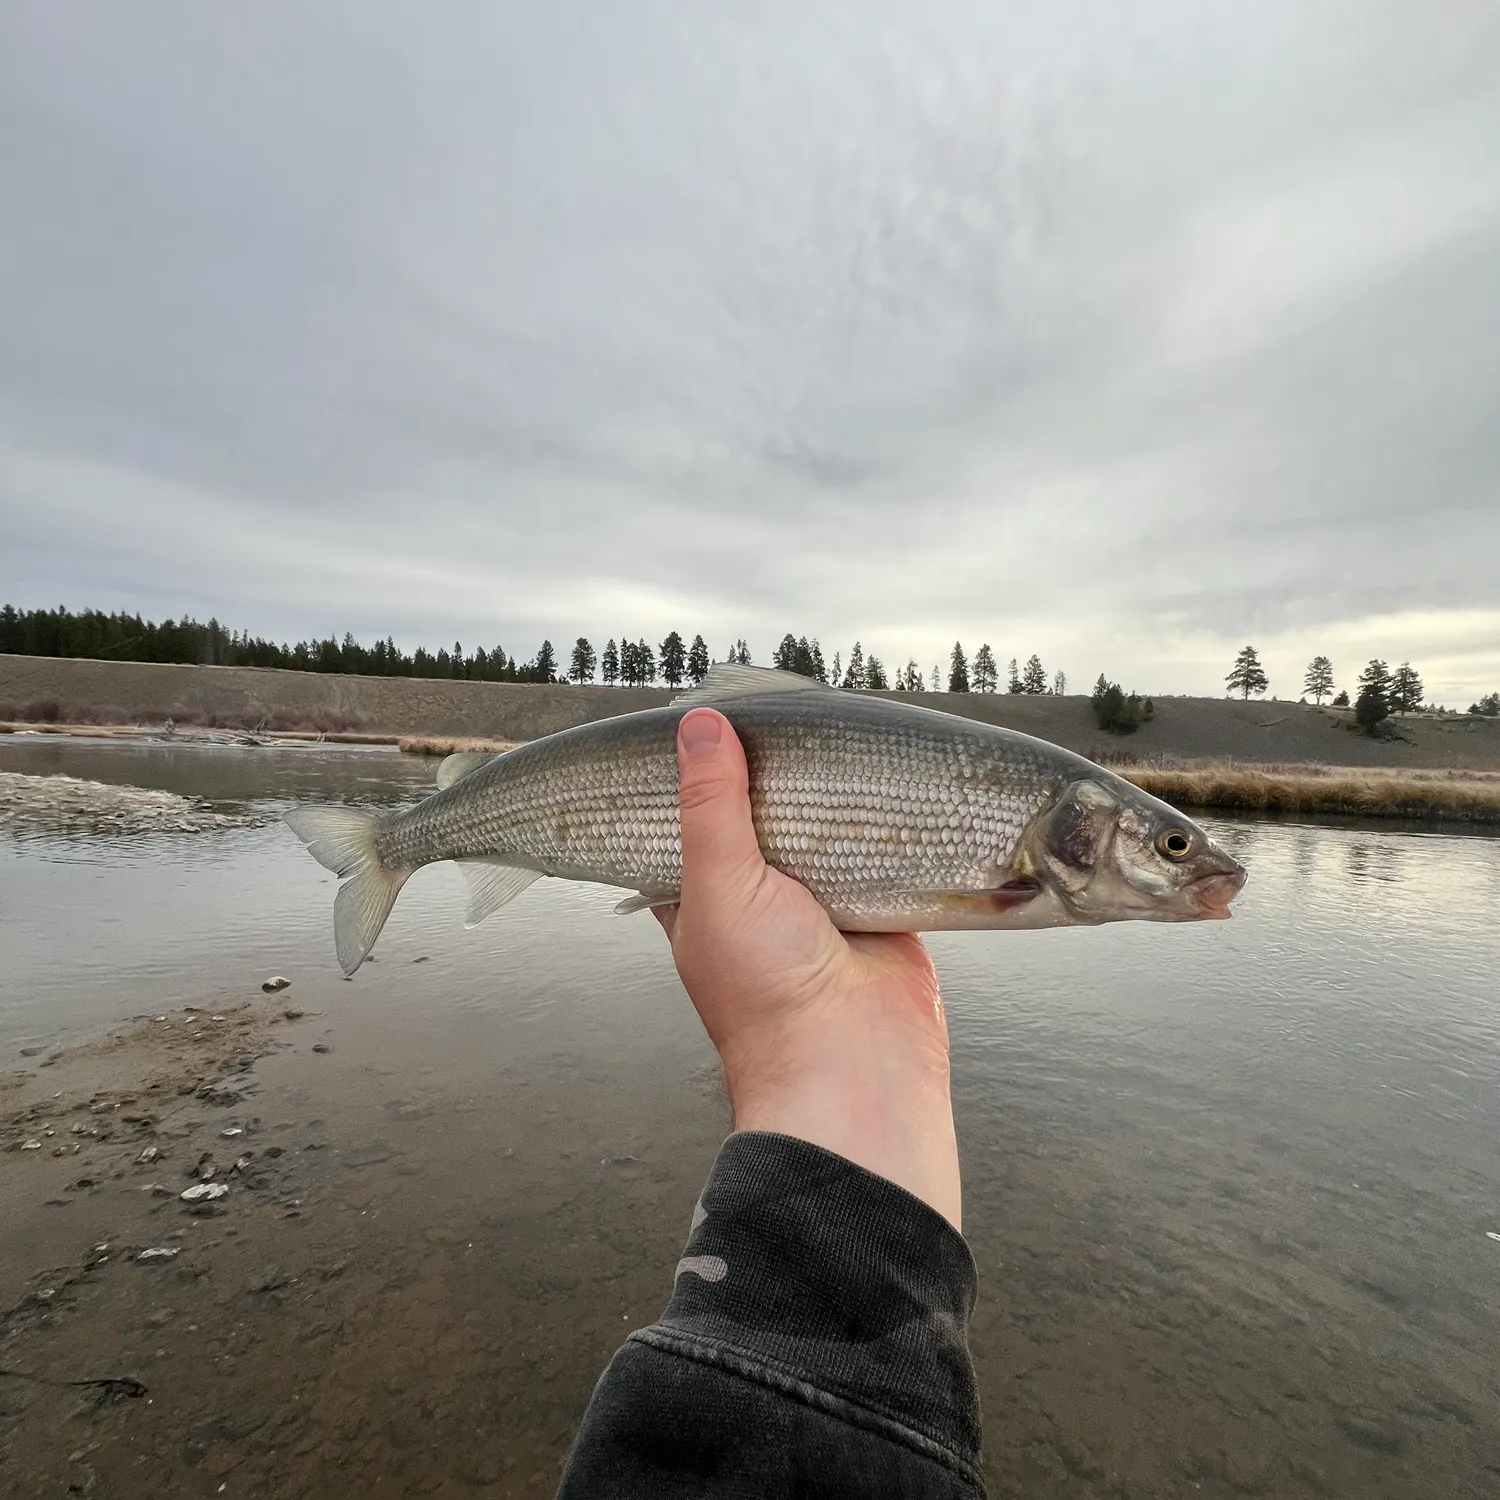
(624, 662)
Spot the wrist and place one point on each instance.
(880, 1102)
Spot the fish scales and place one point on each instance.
(847, 802)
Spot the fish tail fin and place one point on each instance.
(342, 839)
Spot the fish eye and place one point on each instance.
(1174, 843)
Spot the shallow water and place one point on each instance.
(1228, 1186)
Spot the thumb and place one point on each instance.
(719, 846)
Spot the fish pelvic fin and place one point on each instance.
(342, 839)
(645, 902)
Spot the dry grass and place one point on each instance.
(52, 716)
(1456, 796)
(429, 744)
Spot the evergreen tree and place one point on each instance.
(546, 663)
(819, 669)
(803, 659)
(1488, 706)
(1013, 681)
(1406, 689)
(697, 660)
(1339, 700)
(673, 660)
(1034, 678)
(784, 658)
(838, 670)
(740, 653)
(1247, 675)
(645, 659)
(958, 670)
(1373, 705)
(937, 678)
(583, 661)
(986, 674)
(1318, 683)
(854, 674)
(609, 664)
(875, 678)
(1114, 711)
(1060, 684)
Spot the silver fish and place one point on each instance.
(897, 818)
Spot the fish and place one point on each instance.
(897, 817)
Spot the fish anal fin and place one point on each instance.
(727, 680)
(492, 883)
(645, 902)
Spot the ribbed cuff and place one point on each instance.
(831, 1278)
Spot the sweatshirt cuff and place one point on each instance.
(806, 1269)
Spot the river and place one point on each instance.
(1231, 1188)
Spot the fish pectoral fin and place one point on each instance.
(456, 767)
(492, 883)
(1008, 897)
(644, 902)
(728, 680)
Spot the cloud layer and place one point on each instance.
(1121, 334)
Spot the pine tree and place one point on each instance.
(609, 664)
(1247, 675)
(1013, 681)
(1373, 705)
(875, 678)
(1034, 678)
(854, 674)
(784, 658)
(986, 674)
(1318, 683)
(937, 678)
(1060, 685)
(645, 659)
(697, 660)
(583, 661)
(673, 660)
(740, 654)
(804, 666)
(819, 668)
(546, 663)
(1406, 689)
(958, 670)
(838, 671)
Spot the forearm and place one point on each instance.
(815, 1345)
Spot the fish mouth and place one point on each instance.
(1212, 893)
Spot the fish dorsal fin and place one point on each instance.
(456, 767)
(728, 680)
(492, 883)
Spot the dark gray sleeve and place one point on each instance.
(815, 1345)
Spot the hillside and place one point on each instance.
(1187, 728)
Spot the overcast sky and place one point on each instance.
(1123, 333)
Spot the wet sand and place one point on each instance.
(418, 1274)
(408, 1289)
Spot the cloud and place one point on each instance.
(1119, 334)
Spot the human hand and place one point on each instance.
(838, 1039)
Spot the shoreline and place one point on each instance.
(1409, 793)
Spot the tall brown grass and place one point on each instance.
(1445, 795)
(435, 744)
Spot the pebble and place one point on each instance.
(1491, 1234)
(276, 982)
(204, 1192)
(31, 1145)
(149, 1154)
(160, 1252)
(321, 1047)
(230, 1131)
